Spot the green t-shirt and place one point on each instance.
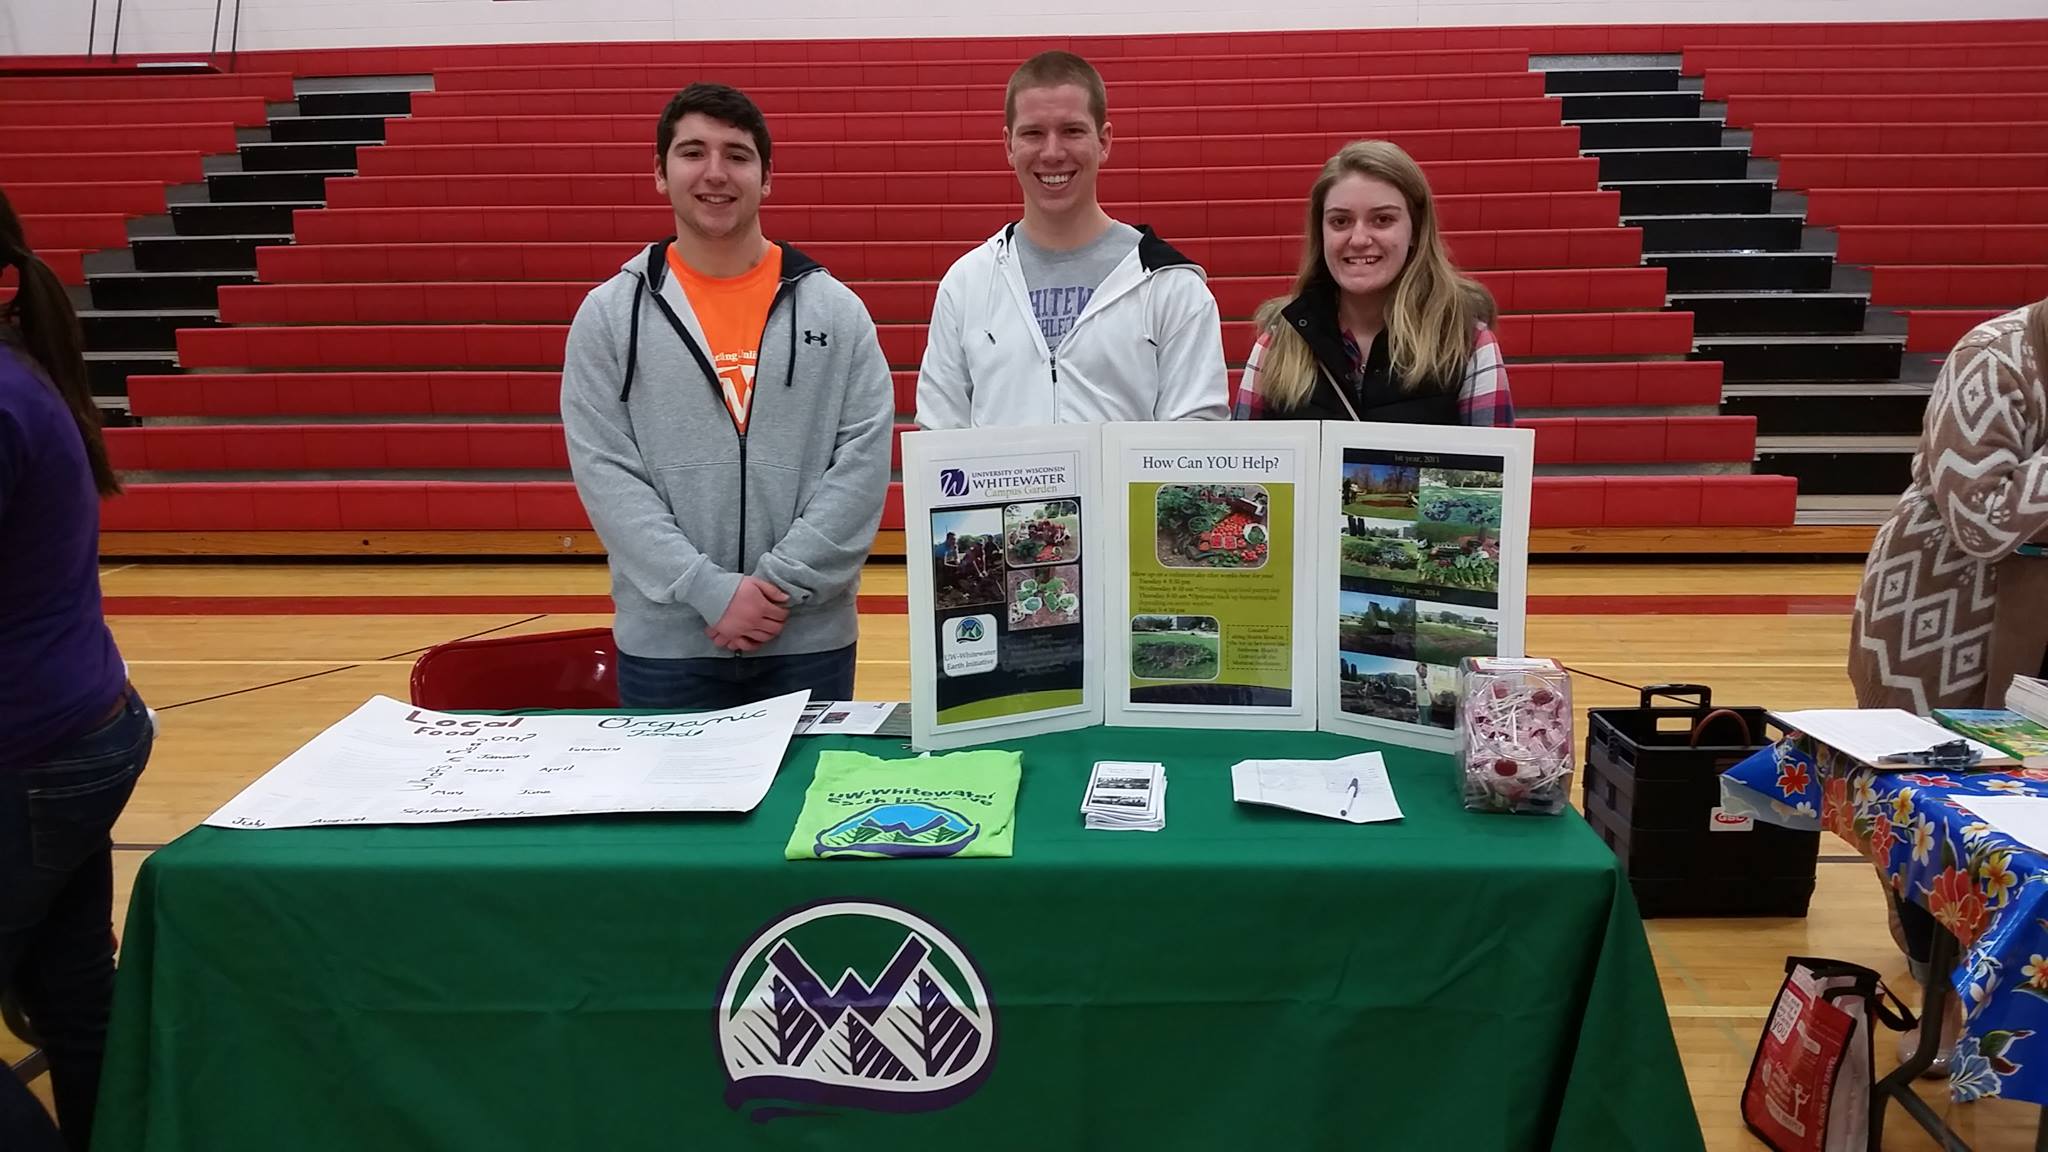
(860, 807)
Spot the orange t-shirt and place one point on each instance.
(732, 312)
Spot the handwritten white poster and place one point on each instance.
(390, 763)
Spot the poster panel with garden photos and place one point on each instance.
(1426, 562)
(1208, 587)
(1001, 541)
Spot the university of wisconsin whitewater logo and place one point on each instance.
(952, 482)
(907, 1027)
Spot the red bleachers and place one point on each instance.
(980, 98)
(1726, 83)
(1220, 256)
(1942, 243)
(951, 222)
(437, 284)
(131, 198)
(983, 71)
(262, 85)
(1749, 110)
(543, 302)
(399, 505)
(1932, 331)
(540, 345)
(1134, 123)
(541, 447)
(99, 230)
(2008, 136)
(984, 185)
(219, 137)
(920, 156)
(244, 111)
(1970, 57)
(1538, 386)
(1981, 284)
(1928, 206)
(1982, 170)
(65, 167)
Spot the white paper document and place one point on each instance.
(1354, 789)
(1125, 796)
(390, 763)
(2024, 818)
(1871, 734)
(845, 718)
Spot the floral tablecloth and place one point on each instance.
(1990, 890)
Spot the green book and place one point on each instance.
(863, 807)
(2009, 732)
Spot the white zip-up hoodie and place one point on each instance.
(1148, 346)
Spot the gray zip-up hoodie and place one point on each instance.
(684, 503)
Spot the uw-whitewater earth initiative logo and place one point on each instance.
(968, 630)
(908, 1027)
(952, 482)
(907, 829)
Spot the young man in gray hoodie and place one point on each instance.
(728, 412)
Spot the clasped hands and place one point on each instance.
(755, 616)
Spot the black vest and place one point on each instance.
(1377, 395)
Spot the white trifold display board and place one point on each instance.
(1275, 574)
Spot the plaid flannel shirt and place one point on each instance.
(1483, 398)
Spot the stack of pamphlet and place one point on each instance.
(1125, 796)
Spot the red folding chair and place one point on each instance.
(576, 669)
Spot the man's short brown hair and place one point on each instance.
(1051, 70)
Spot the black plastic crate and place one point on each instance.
(1652, 788)
(1661, 766)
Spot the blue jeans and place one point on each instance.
(56, 916)
(714, 683)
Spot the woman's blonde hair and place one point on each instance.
(1432, 307)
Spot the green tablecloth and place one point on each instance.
(1246, 978)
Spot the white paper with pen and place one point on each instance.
(1354, 789)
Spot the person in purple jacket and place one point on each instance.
(74, 735)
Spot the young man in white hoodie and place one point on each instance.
(1069, 316)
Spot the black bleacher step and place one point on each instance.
(188, 253)
(108, 372)
(1709, 232)
(1558, 82)
(1676, 197)
(272, 187)
(1646, 105)
(1839, 465)
(304, 129)
(1759, 313)
(299, 156)
(1733, 271)
(1814, 408)
(179, 289)
(1745, 359)
(1671, 163)
(238, 217)
(139, 330)
(1607, 135)
(355, 103)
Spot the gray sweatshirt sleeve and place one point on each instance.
(646, 545)
(822, 553)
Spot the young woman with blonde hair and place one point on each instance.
(1380, 325)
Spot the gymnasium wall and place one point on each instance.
(177, 26)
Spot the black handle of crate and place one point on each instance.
(1704, 694)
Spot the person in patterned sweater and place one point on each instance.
(1953, 595)
(1931, 628)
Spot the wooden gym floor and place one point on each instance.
(248, 661)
